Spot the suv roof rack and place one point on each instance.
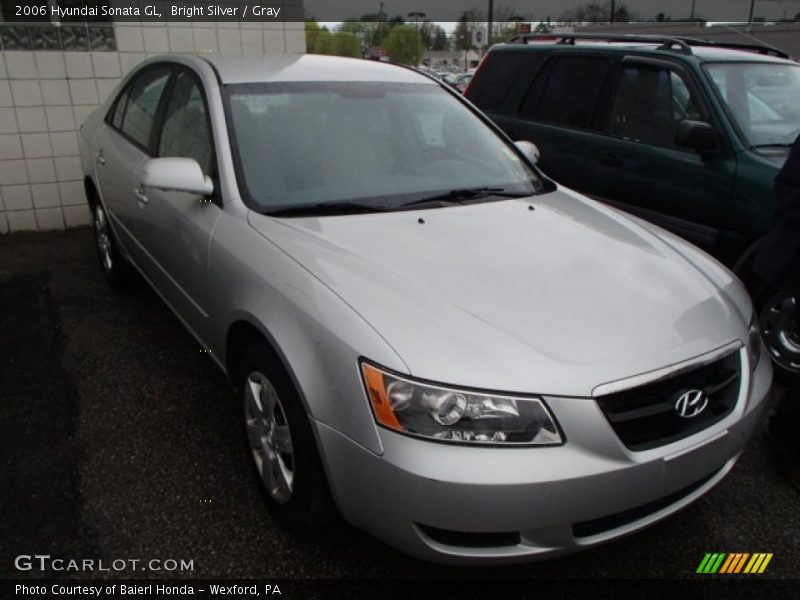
(763, 48)
(680, 43)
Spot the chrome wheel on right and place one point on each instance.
(781, 331)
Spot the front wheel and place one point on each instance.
(282, 444)
(781, 332)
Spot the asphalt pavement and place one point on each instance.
(120, 439)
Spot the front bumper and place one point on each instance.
(462, 504)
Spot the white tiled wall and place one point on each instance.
(44, 97)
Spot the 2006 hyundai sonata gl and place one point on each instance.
(463, 358)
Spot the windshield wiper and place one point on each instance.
(325, 209)
(462, 196)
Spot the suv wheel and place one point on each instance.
(781, 332)
(282, 444)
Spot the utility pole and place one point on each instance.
(380, 31)
(752, 6)
(490, 24)
(416, 15)
(613, 8)
(691, 15)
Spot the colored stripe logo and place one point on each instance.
(734, 562)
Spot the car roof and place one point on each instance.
(701, 53)
(308, 67)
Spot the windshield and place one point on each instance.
(762, 98)
(380, 145)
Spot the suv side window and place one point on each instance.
(649, 103)
(567, 92)
(143, 99)
(492, 84)
(186, 130)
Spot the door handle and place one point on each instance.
(140, 196)
(100, 158)
(611, 160)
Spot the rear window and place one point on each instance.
(498, 73)
(567, 92)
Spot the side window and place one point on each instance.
(500, 71)
(649, 103)
(567, 93)
(186, 133)
(119, 108)
(144, 97)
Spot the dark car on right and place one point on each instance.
(685, 133)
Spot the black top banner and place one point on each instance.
(567, 11)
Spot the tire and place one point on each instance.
(116, 269)
(781, 334)
(280, 440)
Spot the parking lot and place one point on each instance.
(121, 439)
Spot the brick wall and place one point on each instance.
(45, 95)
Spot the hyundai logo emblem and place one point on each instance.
(691, 403)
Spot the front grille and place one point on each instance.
(620, 519)
(646, 416)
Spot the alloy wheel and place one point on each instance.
(102, 234)
(269, 437)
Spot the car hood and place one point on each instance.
(553, 294)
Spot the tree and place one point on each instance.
(505, 23)
(544, 26)
(661, 17)
(465, 28)
(372, 28)
(440, 41)
(346, 44)
(404, 45)
(315, 36)
(596, 12)
(319, 40)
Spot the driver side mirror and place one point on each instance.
(176, 175)
(697, 135)
(529, 151)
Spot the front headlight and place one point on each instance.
(755, 346)
(456, 415)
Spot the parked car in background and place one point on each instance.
(459, 81)
(424, 332)
(685, 133)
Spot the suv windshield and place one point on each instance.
(374, 145)
(762, 98)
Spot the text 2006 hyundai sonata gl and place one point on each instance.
(465, 359)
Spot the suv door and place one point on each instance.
(648, 174)
(176, 227)
(561, 113)
(122, 145)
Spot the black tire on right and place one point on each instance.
(781, 334)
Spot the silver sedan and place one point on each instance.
(426, 335)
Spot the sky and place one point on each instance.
(535, 10)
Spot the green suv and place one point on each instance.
(686, 133)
